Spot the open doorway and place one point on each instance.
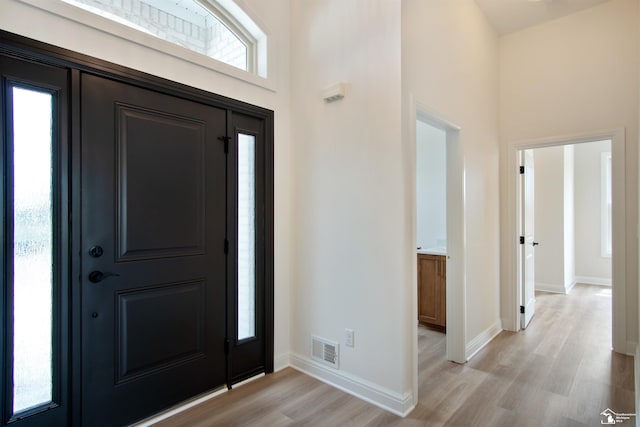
(579, 224)
(453, 265)
(431, 227)
(448, 238)
(566, 221)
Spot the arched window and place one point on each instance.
(204, 26)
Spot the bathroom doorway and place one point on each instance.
(448, 238)
(431, 225)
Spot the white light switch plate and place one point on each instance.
(348, 337)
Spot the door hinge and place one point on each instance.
(522, 240)
(227, 344)
(521, 170)
(226, 140)
(226, 246)
(522, 309)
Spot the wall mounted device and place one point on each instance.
(334, 92)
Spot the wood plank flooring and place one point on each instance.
(559, 372)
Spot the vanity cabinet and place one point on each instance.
(432, 279)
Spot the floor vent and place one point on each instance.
(325, 351)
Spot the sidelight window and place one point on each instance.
(246, 236)
(32, 249)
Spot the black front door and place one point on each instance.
(153, 262)
(137, 252)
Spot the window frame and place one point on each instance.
(16, 73)
(232, 24)
(244, 27)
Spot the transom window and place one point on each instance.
(201, 27)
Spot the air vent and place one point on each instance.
(325, 351)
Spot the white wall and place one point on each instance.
(431, 185)
(35, 23)
(591, 266)
(574, 75)
(567, 217)
(449, 64)
(549, 221)
(349, 211)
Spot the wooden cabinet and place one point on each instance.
(432, 279)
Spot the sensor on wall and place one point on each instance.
(334, 92)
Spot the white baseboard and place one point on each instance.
(375, 394)
(482, 339)
(555, 288)
(600, 281)
(281, 361)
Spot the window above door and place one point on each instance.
(197, 26)
(216, 34)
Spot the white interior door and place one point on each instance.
(528, 248)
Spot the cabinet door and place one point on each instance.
(429, 289)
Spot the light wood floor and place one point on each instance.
(559, 372)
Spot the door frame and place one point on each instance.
(511, 287)
(76, 63)
(456, 307)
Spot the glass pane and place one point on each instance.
(32, 246)
(183, 22)
(246, 236)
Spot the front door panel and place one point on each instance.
(153, 266)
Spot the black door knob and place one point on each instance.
(99, 276)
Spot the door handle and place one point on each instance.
(535, 243)
(99, 276)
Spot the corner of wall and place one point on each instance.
(281, 361)
(483, 339)
(555, 288)
(396, 403)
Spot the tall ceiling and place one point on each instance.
(508, 16)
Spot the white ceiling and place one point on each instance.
(508, 16)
